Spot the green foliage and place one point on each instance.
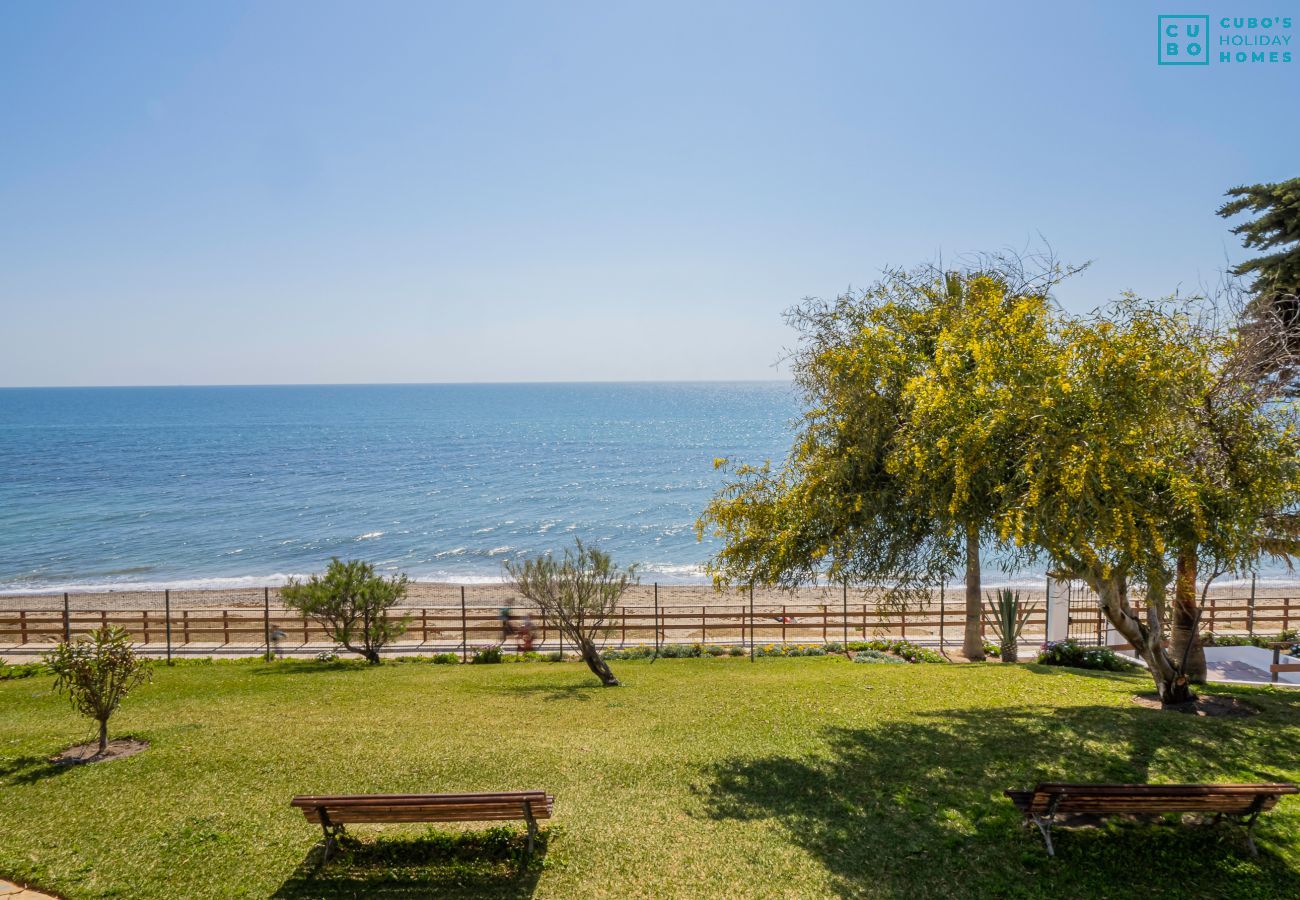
(578, 593)
(877, 656)
(352, 604)
(861, 497)
(1278, 229)
(21, 670)
(1073, 654)
(445, 659)
(486, 655)
(906, 650)
(96, 672)
(1006, 619)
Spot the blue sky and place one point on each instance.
(300, 192)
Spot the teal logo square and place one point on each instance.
(1183, 40)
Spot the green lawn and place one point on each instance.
(699, 777)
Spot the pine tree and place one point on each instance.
(1275, 307)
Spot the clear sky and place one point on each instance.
(301, 192)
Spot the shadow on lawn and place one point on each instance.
(916, 808)
(487, 863)
(29, 769)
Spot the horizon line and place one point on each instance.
(254, 384)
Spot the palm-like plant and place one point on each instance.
(1006, 616)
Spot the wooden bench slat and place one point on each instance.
(399, 808)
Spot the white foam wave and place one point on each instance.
(368, 536)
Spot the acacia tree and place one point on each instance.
(1133, 455)
(850, 500)
(578, 593)
(96, 672)
(352, 604)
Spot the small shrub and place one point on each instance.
(715, 650)
(327, 656)
(736, 651)
(877, 656)
(21, 670)
(834, 647)
(486, 655)
(445, 659)
(555, 656)
(908, 651)
(991, 649)
(1073, 654)
(352, 604)
(96, 672)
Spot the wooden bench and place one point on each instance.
(332, 813)
(1240, 803)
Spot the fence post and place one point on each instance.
(67, 624)
(266, 619)
(167, 620)
(656, 624)
(1250, 608)
(464, 630)
(751, 623)
(704, 625)
(22, 625)
(1277, 658)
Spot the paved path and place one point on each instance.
(11, 891)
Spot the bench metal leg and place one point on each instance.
(532, 827)
(1045, 828)
(332, 833)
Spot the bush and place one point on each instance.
(555, 656)
(21, 670)
(1073, 654)
(877, 656)
(445, 659)
(96, 672)
(351, 603)
(991, 649)
(735, 651)
(913, 653)
(327, 656)
(486, 655)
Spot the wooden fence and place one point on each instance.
(464, 628)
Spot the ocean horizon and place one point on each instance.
(190, 487)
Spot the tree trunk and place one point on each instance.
(1112, 593)
(591, 656)
(1185, 639)
(1009, 652)
(972, 645)
(371, 655)
(103, 735)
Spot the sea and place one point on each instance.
(115, 488)
(223, 487)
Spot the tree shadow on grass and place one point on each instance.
(915, 807)
(553, 690)
(29, 769)
(490, 863)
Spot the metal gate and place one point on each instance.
(1086, 624)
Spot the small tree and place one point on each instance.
(578, 594)
(352, 603)
(96, 671)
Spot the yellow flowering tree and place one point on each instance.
(853, 499)
(1137, 446)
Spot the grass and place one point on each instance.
(699, 777)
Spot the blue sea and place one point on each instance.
(228, 486)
